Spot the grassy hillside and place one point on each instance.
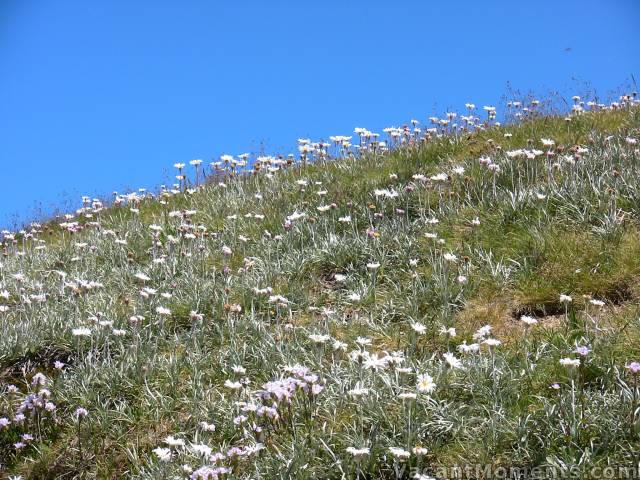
(455, 297)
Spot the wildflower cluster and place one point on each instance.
(363, 306)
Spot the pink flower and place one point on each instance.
(81, 413)
(633, 367)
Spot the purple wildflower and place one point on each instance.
(583, 351)
(633, 367)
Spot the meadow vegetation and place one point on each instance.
(378, 306)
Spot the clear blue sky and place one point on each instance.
(100, 96)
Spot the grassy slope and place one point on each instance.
(166, 374)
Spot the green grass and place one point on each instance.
(167, 373)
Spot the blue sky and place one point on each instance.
(103, 96)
